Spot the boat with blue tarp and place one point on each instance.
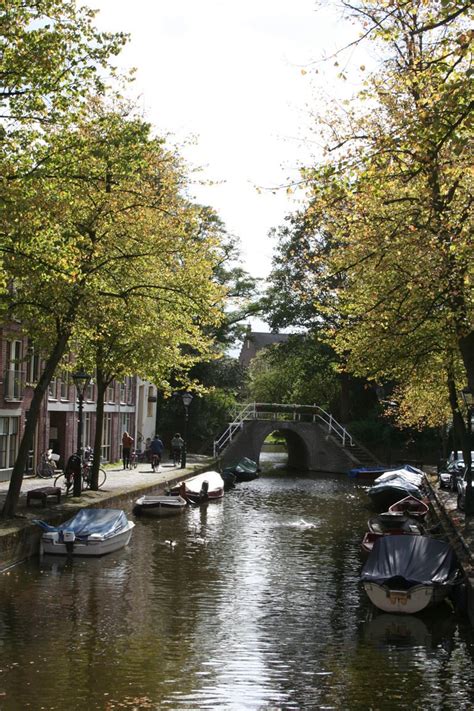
(91, 532)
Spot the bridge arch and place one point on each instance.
(297, 447)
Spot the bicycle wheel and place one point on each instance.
(63, 483)
(45, 470)
(102, 477)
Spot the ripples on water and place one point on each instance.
(249, 603)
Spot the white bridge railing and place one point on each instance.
(288, 413)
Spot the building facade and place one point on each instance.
(129, 405)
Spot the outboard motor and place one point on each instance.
(203, 494)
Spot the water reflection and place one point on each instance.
(252, 602)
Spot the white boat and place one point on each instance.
(91, 532)
(207, 486)
(160, 506)
(406, 574)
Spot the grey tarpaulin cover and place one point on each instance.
(106, 522)
(418, 560)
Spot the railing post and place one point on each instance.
(330, 423)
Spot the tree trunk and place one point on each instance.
(16, 480)
(99, 426)
(461, 433)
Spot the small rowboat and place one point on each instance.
(390, 523)
(159, 506)
(208, 486)
(410, 505)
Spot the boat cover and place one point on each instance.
(105, 522)
(397, 483)
(412, 560)
(411, 474)
(243, 466)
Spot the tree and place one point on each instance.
(158, 332)
(302, 371)
(51, 58)
(394, 192)
(104, 200)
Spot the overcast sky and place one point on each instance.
(238, 77)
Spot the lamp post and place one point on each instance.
(187, 398)
(468, 397)
(81, 381)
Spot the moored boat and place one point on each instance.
(406, 574)
(208, 486)
(410, 505)
(368, 541)
(91, 532)
(391, 523)
(244, 470)
(160, 506)
(386, 493)
(366, 472)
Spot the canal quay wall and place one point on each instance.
(459, 531)
(20, 537)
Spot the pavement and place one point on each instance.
(19, 536)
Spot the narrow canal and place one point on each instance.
(249, 603)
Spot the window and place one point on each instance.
(64, 386)
(151, 399)
(106, 437)
(14, 376)
(8, 441)
(86, 430)
(53, 389)
(110, 393)
(89, 394)
(34, 362)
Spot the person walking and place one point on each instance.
(127, 441)
(156, 450)
(177, 444)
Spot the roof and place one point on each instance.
(255, 341)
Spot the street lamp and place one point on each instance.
(468, 397)
(81, 381)
(187, 398)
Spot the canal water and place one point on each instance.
(248, 603)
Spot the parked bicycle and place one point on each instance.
(75, 465)
(46, 468)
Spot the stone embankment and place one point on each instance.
(459, 530)
(19, 536)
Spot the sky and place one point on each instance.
(233, 83)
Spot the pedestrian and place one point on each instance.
(127, 441)
(156, 450)
(177, 444)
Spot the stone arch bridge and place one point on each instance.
(315, 440)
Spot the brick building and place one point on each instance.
(129, 405)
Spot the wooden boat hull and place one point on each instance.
(407, 602)
(52, 545)
(160, 506)
(410, 505)
(391, 523)
(208, 486)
